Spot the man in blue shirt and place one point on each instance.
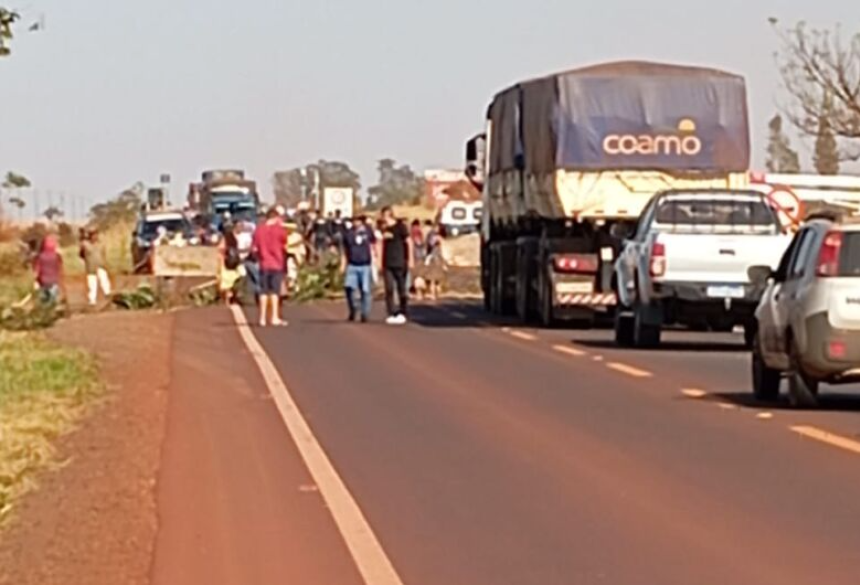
(358, 267)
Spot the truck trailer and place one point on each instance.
(569, 161)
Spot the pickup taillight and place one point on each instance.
(658, 259)
(828, 257)
(576, 264)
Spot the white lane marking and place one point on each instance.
(368, 554)
(694, 393)
(764, 416)
(828, 438)
(597, 358)
(629, 370)
(522, 336)
(569, 351)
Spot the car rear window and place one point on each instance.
(150, 228)
(849, 262)
(725, 214)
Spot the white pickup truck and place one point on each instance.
(687, 263)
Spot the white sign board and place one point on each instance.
(338, 199)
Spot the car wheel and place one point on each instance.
(624, 329)
(766, 380)
(802, 390)
(644, 335)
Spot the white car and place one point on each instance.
(809, 317)
(688, 260)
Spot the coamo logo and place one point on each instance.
(683, 143)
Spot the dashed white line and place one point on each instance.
(573, 352)
(838, 441)
(522, 336)
(629, 370)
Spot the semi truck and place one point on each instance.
(223, 192)
(568, 162)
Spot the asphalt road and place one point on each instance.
(482, 454)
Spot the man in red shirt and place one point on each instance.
(270, 247)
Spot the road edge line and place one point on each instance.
(367, 552)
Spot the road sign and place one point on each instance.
(338, 199)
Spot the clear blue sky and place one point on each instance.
(118, 91)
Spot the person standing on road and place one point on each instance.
(358, 267)
(93, 256)
(396, 261)
(270, 247)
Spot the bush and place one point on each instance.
(39, 316)
(142, 298)
(13, 261)
(319, 282)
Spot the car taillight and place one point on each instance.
(658, 259)
(828, 257)
(576, 264)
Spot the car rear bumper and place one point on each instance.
(702, 292)
(821, 361)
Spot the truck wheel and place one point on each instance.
(644, 335)
(765, 380)
(750, 335)
(624, 325)
(802, 390)
(547, 318)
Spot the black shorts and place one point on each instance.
(271, 282)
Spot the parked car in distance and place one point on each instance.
(808, 322)
(147, 229)
(687, 264)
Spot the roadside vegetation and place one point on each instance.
(45, 389)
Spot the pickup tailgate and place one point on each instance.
(719, 258)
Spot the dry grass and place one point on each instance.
(45, 388)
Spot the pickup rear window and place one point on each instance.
(718, 215)
(849, 261)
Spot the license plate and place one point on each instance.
(574, 288)
(726, 292)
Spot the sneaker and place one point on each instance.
(364, 318)
(401, 320)
(392, 320)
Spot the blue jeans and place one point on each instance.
(359, 278)
(252, 272)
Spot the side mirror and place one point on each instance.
(760, 275)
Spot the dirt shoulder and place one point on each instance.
(93, 521)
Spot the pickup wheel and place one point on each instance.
(765, 380)
(644, 335)
(751, 336)
(802, 390)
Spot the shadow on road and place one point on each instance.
(828, 401)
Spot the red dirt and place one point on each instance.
(93, 522)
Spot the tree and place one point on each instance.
(7, 19)
(14, 183)
(398, 185)
(53, 213)
(826, 157)
(781, 158)
(821, 74)
(124, 208)
(19, 204)
(290, 187)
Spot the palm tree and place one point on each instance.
(13, 183)
(20, 204)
